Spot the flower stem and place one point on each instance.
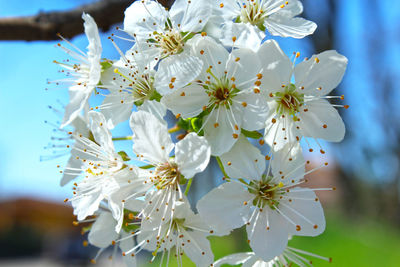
(122, 138)
(174, 129)
(222, 167)
(188, 186)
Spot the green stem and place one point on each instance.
(122, 138)
(243, 181)
(174, 129)
(145, 167)
(188, 186)
(221, 166)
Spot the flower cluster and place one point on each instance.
(209, 64)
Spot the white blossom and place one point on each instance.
(226, 91)
(152, 143)
(300, 108)
(163, 35)
(85, 74)
(270, 204)
(243, 22)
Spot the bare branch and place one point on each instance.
(45, 26)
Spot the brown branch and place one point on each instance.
(45, 26)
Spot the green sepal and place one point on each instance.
(184, 124)
(126, 226)
(124, 156)
(182, 180)
(106, 64)
(251, 134)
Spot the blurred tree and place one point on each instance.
(46, 26)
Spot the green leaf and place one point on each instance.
(252, 134)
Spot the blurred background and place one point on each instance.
(363, 214)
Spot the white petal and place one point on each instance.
(156, 108)
(102, 232)
(280, 131)
(150, 137)
(102, 135)
(74, 164)
(187, 101)
(247, 35)
(211, 53)
(192, 155)
(268, 243)
(277, 67)
(244, 161)
(220, 131)
(143, 55)
(198, 249)
(78, 96)
(304, 210)
(322, 77)
(87, 205)
(223, 208)
(156, 210)
(290, 27)
(117, 109)
(294, 8)
(176, 71)
(254, 110)
(126, 245)
(144, 18)
(94, 49)
(288, 163)
(191, 15)
(244, 65)
(234, 259)
(320, 114)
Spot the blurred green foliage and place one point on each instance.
(349, 242)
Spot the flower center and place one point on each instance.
(166, 174)
(171, 42)
(266, 192)
(220, 90)
(289, 101)
(143, 87)
(252, 13)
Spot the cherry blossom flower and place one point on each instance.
(300, 108)
(162, 34)
(225, 94)
(128, 84)
(153, 144)
(270, 204)
(103, 170)
(85, 74)
(102, 235)
(185, 231)
(244, 22)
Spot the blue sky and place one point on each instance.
(27, 66)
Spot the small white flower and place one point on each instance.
(184, 230)
(128, 84)
(299, 108)
(270, 204)
(85, 73)
(103, 234)
(245, 21)
(163, 35)
(103, 171)
(287, 258)
(226, 91)
(153, 144)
